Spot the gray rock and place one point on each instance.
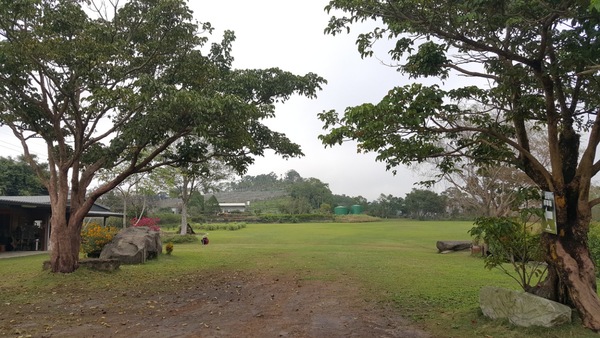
(453, 245)
(521, 308)
(133, 245)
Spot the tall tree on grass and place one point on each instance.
(424, 204)
(105, 83)
(134, 183)
(533, 55)
(196, 178)
(490, 191)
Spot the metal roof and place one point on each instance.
(34, 200)
(232, 204)
(97, 210)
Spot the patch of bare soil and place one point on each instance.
(228, 304)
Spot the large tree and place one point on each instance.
(105, 83)
(531, 58)
(134, 190)
(424, 204)
(387, 206)
(195, 179)
(491, 191)
(311, 190)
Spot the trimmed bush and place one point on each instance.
(179, 239)
(294, 218)
(168, 220)
(213, 227)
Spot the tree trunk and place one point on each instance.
(576, 270)
(124, 212)
(184, 223)
(571, 276)
(186, 188)
(66, 240)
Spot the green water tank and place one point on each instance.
(356, 209)
(340, 210)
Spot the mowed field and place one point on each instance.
(391, 263)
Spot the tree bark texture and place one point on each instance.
(66, 240)
(571, 278)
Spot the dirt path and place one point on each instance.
(220, 305)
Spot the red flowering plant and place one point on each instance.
(149, 222)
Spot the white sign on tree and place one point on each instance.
(549, 213)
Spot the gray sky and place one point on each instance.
(289, 34)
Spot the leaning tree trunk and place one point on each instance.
(571, 276)
(576, 270)
(572, 280)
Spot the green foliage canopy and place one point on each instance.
(103, 88)
(420, 204)
(18, 179)
(538, 61)
(211, 206)
(530, 54)
(313, 191)
(132, 84)
(386, 206)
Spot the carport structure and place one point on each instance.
(25, 222)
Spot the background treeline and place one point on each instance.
(272, 197)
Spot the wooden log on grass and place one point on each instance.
(444, 246)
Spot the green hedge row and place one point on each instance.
(289, 218)
(178, 239)
(213, 227)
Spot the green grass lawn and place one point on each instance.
(392, 261)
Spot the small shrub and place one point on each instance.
(168, 219)
(169, 248)
(198, 219)
(513, 240)
(94, 237)
(116, 222)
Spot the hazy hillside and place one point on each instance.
(247, 196)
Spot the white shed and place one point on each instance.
(233, 207)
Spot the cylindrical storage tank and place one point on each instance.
(340, 210)
(356, 209)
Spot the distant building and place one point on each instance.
(174, 204)
(233, 207)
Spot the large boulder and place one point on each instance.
(133, 245)
(521, 308)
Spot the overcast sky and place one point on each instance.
(289, 34)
